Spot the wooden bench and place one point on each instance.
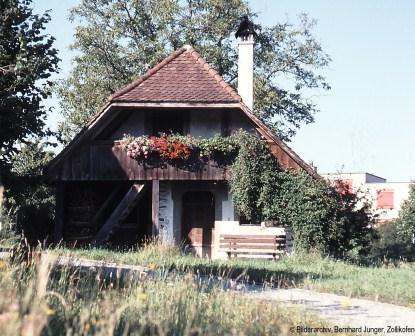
(272, 245)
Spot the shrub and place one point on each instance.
(392, 245)
(28, 199)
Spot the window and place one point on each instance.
(385, 199)
(168, 122)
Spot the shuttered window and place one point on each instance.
(385, 199)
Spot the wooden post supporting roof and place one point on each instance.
(122, 210)
(59, 213)
(155, 203)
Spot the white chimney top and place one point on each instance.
(246, 40)
(246, 70)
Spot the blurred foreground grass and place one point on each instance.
(38, 298)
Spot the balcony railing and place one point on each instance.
(108, 161)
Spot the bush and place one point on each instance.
(28, 199)
(8, 236)
(392, 245)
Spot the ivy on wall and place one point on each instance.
(326, 218)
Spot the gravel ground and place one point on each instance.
(341, 311)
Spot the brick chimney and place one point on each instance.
(246, 39)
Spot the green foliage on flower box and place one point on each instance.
(174, 147)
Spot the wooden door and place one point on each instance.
(198, 220)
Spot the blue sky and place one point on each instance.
(366, 121)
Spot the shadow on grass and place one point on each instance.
(115, 277)
(250, 274)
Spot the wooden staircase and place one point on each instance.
(120, 213)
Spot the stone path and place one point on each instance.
(341, 311)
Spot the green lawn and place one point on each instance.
(393, 284)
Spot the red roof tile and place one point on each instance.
(182, 77)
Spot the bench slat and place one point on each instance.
(254, 252)
(257, 240)
(259, 247)
(226, 236)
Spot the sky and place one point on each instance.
(366, 120)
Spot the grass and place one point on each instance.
(38, 299)
(387, 284)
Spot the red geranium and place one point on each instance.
(170, 148)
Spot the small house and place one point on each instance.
(103, 195)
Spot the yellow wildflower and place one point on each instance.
(346, 302)
(151, 266)
(3, 265)
(49, 311)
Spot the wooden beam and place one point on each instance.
(178, 105)
(110, 199)
(155, 204)
(122, 210)
(59, 212)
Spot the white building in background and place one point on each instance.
(386, 197)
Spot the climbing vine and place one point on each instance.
(322, 218)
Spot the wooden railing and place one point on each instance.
(108, 161)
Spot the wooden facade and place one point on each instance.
(107, 161)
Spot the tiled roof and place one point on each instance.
(182, 77)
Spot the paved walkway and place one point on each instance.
(341, 311)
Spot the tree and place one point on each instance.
(406, 218)
(27, 60)
(118, 40)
